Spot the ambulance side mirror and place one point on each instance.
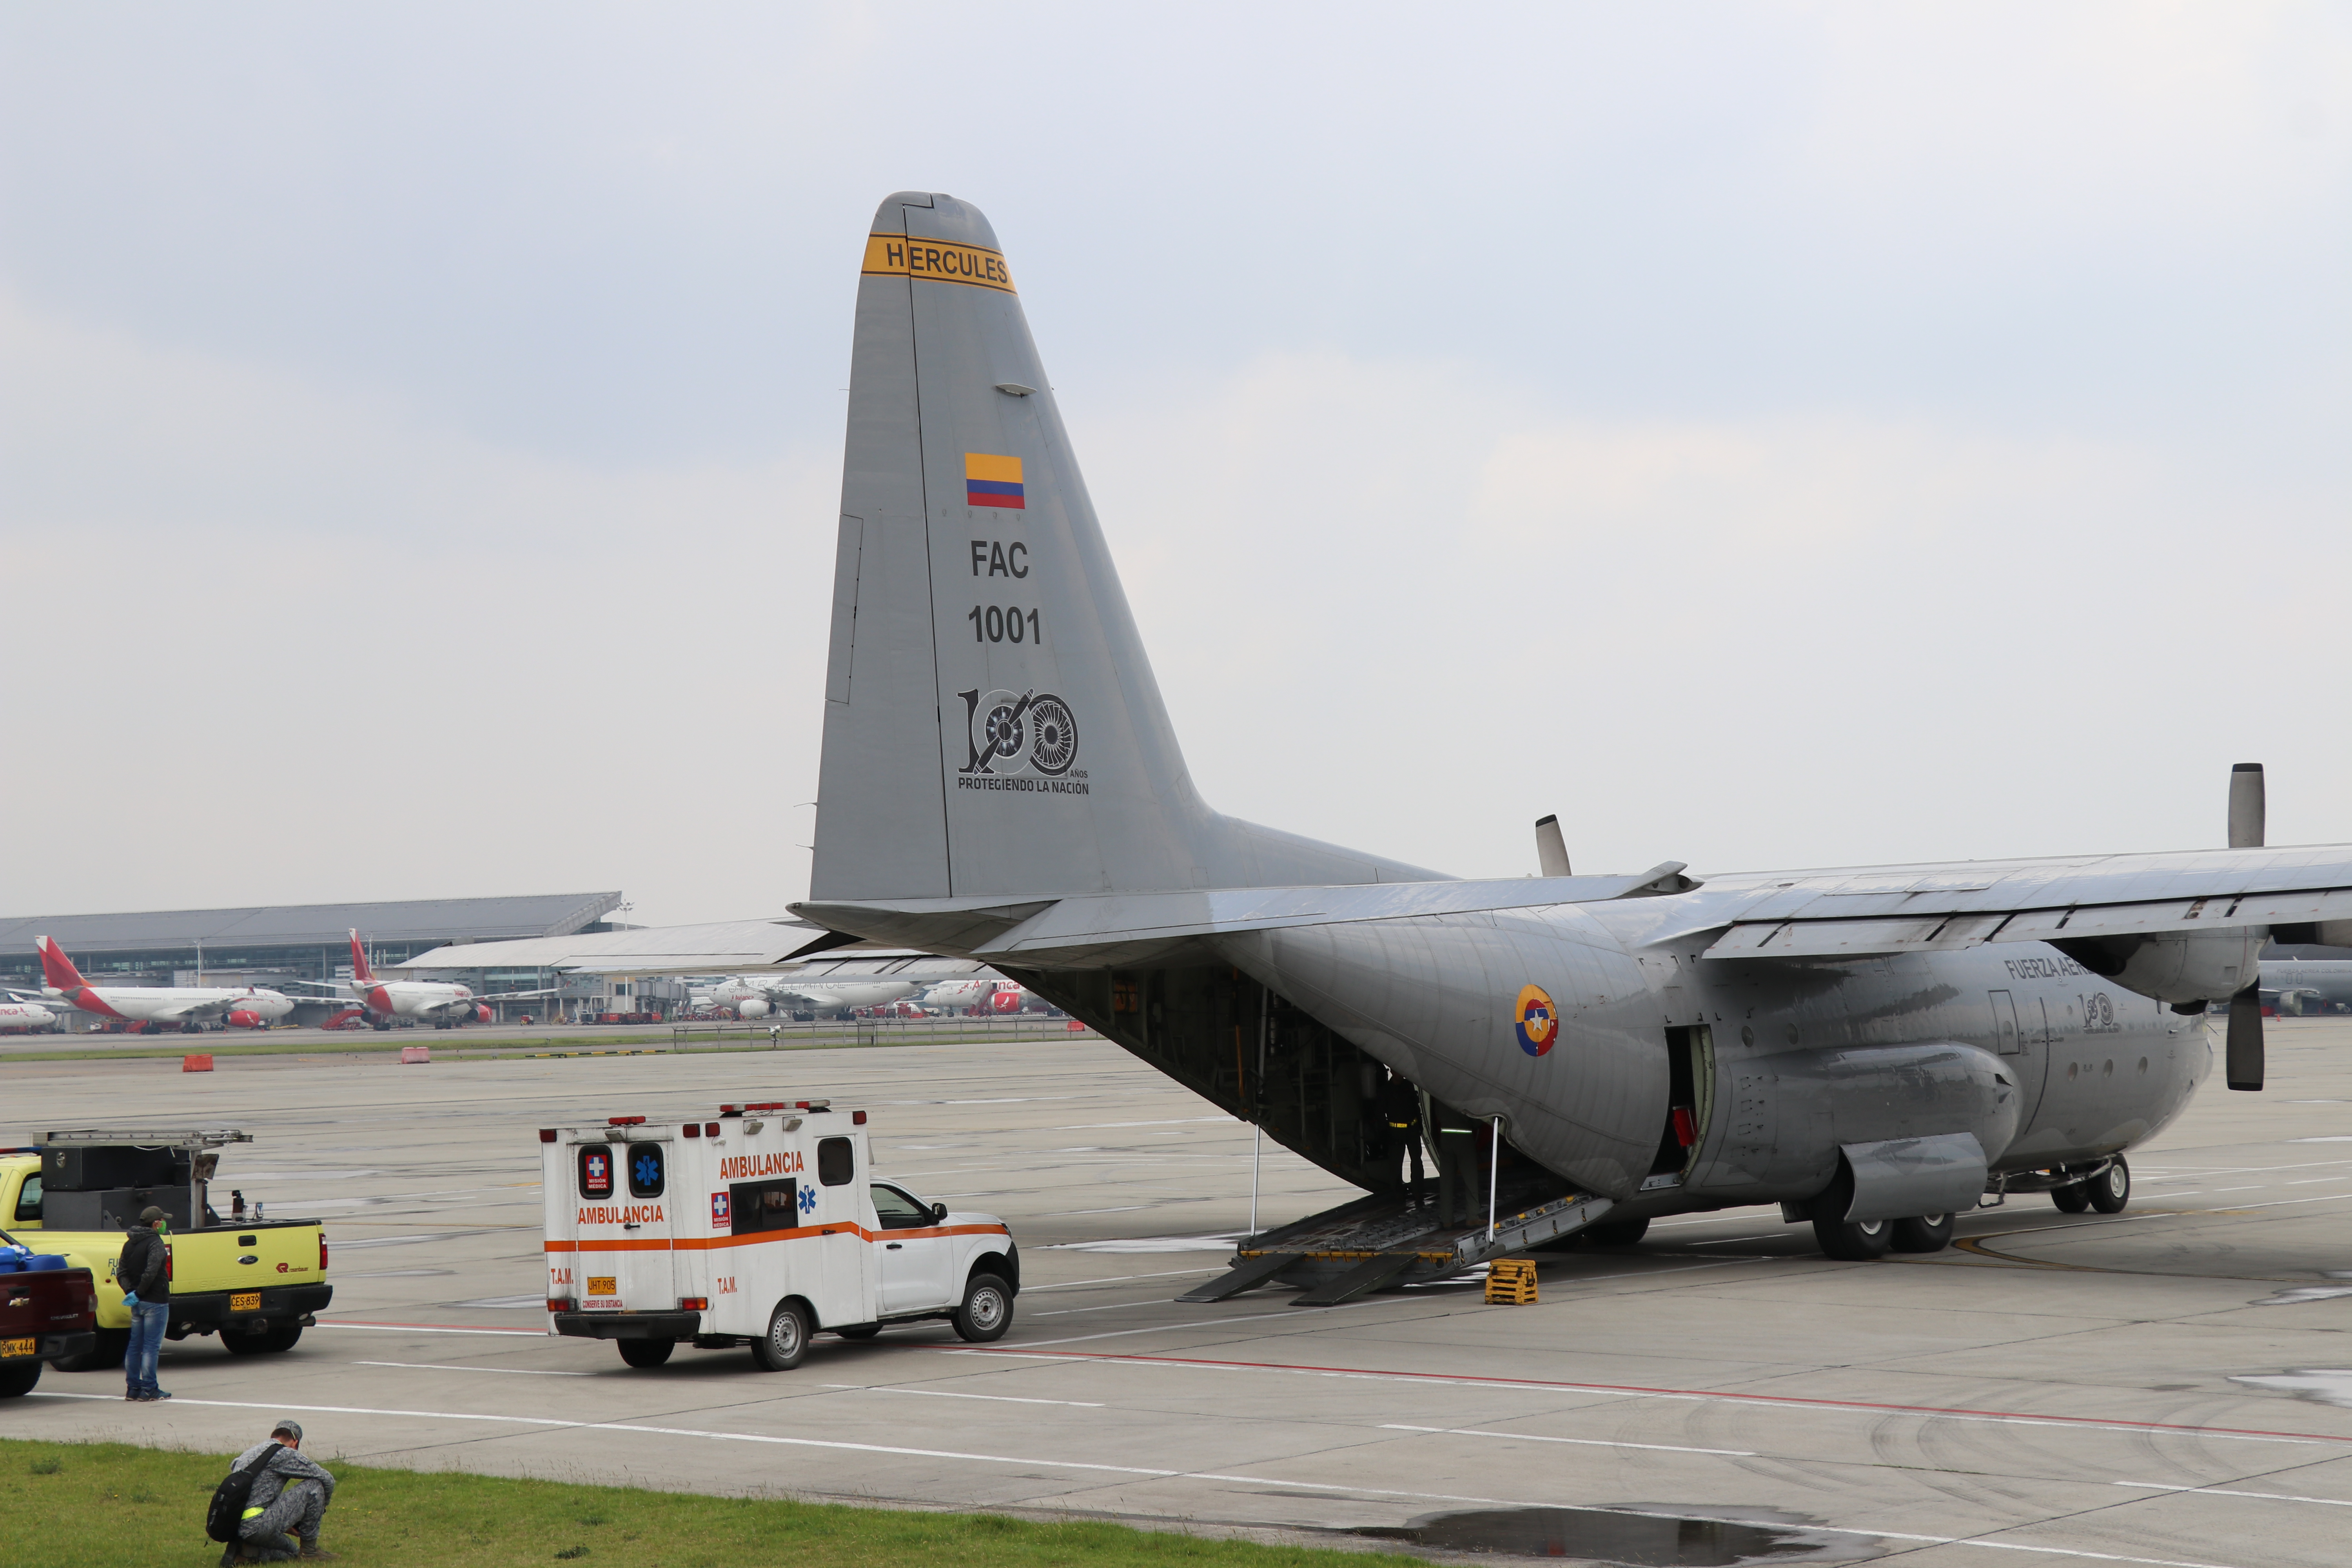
(938, 1212)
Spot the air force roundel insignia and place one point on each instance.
(1538, 1020)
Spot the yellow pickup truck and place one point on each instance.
(255, 1283)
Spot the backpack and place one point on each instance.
(229, 1497)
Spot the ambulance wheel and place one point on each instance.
(645, 1352)
(784, 1344)
(987, 1309)
(19, 1380)
(1923, 1232)
(859, 1331)
(2071, 1200)
(2110, 1190)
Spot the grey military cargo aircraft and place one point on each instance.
(1874, 1048)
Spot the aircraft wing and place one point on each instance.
(1891, 909)
(1853, 912)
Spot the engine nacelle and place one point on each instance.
(242, 1019)
(1006, 1000)
(2200, 966)
(481, 1013)
(752, 1008)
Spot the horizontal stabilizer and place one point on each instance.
(1096, 928)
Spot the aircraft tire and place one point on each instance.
(1854, 1240)
(785, 1344)
(645, 1352)
(1616, 1232)
(1923, 1232)
(2110, 1190)
(2072, 1200)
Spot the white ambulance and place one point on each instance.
(762, 1227)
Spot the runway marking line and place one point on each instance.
(1635, 1391)
(944, 1394)
(2226, 1491)
(510, 1371)
(1151, 1474)
(1579, 1442)
(436, 1329)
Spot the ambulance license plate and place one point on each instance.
(245, 1301)
(17, 1347)
(603, 1285)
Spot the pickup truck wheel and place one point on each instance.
(859, 1331)
(645, 1352)
(987, 1309)
(111, 1344)
(19, 1380)
(784, 1344)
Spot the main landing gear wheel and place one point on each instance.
(645, 1352)
(2072, 1200)
(1923, 1232)
(784, 1344)
(1617, 1232)
(2110, 1190)
(987, 1309)
(1854, 1240)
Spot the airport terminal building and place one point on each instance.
(279, 942)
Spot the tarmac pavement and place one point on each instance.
(2170, 1385)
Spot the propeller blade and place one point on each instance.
(1552, 849)
(2244, 1057)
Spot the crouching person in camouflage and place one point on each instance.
(289, 1494)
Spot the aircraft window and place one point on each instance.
(645, 1170)
(835, 1162)
(596, 1171)
(900, 1210)
(29, 1196)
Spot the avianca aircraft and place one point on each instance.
(444, 1003)
(190, 1007)
(27, 1015)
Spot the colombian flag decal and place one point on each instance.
(1538, 1020)
(993, 482)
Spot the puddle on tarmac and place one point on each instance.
(1656, 1537)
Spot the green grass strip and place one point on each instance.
(110, 1505)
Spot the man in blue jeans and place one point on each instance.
(144, 1272)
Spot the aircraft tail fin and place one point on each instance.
(992, 723)
(361, 972)
(57, 969)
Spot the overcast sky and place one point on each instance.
(1765, 435)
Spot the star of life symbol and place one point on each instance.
(1015, 732)
(808, 1200)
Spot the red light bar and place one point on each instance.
(770, 1105)
(624, 1122)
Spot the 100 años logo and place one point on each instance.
(1031, 737)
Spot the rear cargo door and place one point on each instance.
(623, 1219)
